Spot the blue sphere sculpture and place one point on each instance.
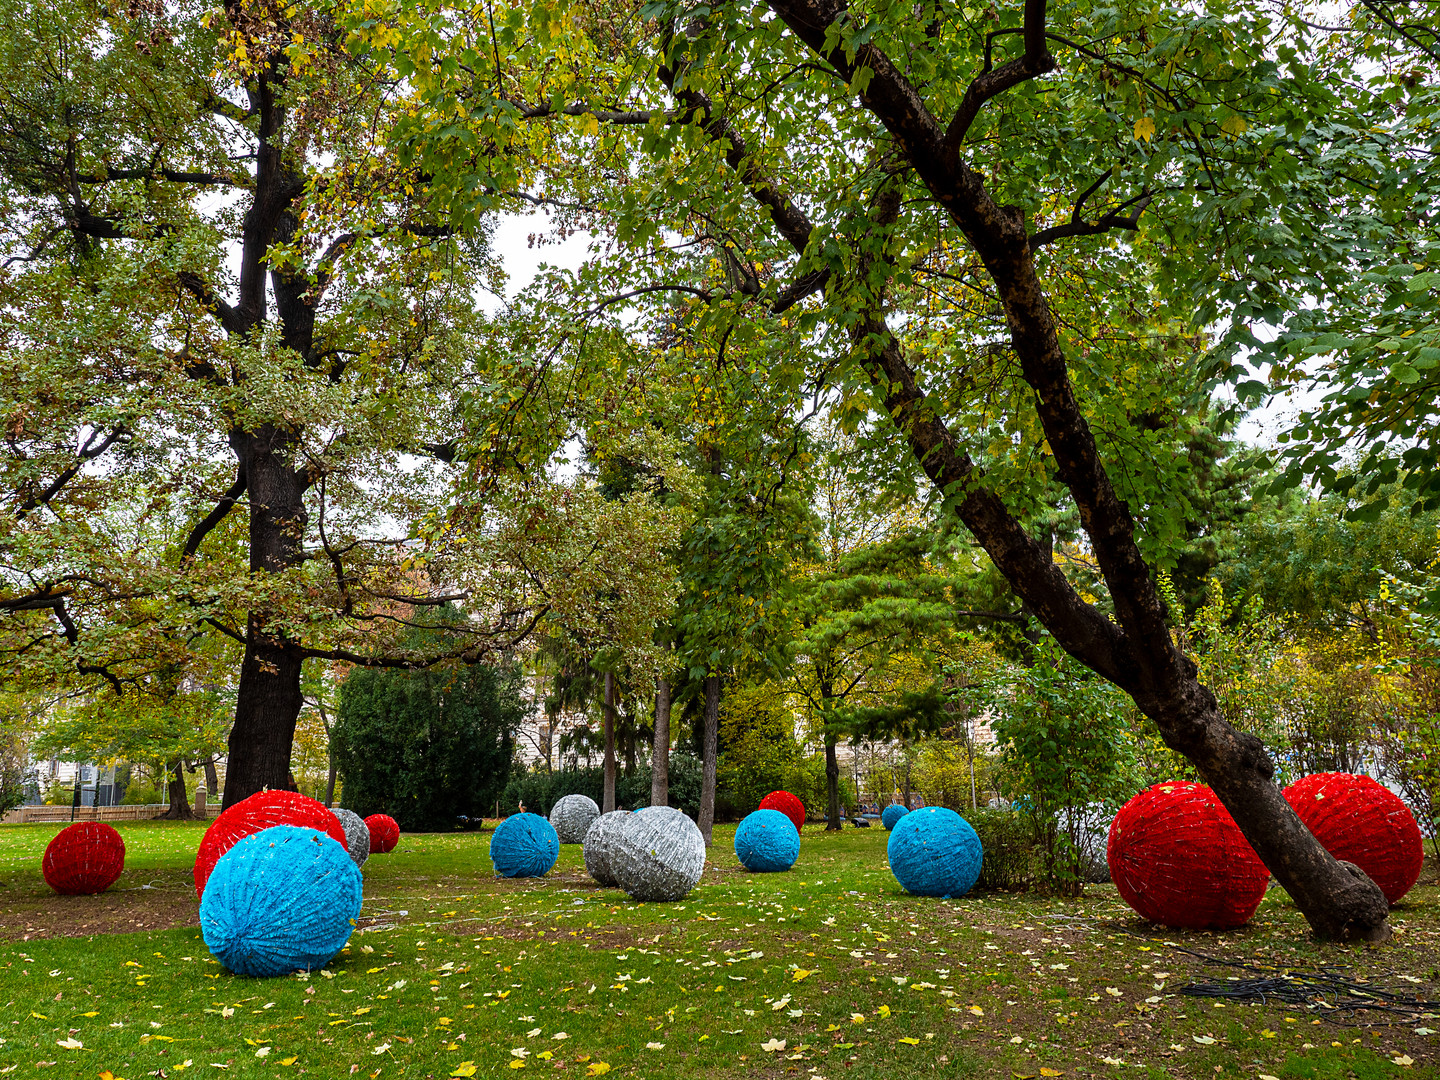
(283, 899)
(767, 842)
(891, 814)
(934, 852)
(524, 845)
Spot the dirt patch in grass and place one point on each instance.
(25, 915)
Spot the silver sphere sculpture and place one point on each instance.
(658, 854)
(357, 834)
(599, 847)
(572, 817)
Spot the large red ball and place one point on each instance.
(384, 833)
(262, 810)
(83, 858)
(787, 804)
(1178, 858)
(1363, 822)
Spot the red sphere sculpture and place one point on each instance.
(83, 858)
(384, 833)
(787, 804)
(262, 810)
(1178, 858)
(1363, 822)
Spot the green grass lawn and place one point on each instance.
(824, 972)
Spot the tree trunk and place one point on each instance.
(212, 778)
(709, 753)
(660, 751)
(904, 748)
(1132, 647)
(832, 785)
(330, 782)
(269, 699)
(609, 709)
(832, 763)
(179, 800)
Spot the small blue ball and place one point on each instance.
(891, 814)
(934, 852)
(283, 899)
(767, 842)
(524, 845)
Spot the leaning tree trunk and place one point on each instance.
(709, 753)
(1132, 647)
(609, 709)
(660, 750)
(179, 800)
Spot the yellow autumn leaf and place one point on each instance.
(597, 1068)
(801, 975)
(1145, 128)
(517, 1064)
(1050, 1072)
(909, 1040)
(1234, 126)
(589, 124)
(884, 1011)
(465, 1068)
(977, 1010)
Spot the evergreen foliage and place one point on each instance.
(431, 748)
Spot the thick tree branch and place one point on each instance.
(89, 451)
(216, 515)
(199, 288)
(1035, 62)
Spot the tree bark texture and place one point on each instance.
(609, 710)
(709, 753)
(660, 750)
(832, 785)
(1135, 649)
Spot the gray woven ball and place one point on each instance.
(572, 817)
(357, 834)
(600, 845)
(659, 854)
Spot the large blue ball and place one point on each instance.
(891, 814)
(283, 899)
(767, 842)
(934, 852)
(524, 845)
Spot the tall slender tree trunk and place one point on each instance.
(832, 785)
(660, 750)
(709, 753)
(832, 763)
(609, 710)
(179, 801)
(904, 747)
(212, 778)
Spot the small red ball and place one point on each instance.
(1363, 822)
(787, 804)
(384, 833)
(83, 858)
(1178, 858)
(262, 810)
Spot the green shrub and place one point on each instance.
(541, 790)
(1008, 842)
(431, 748)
